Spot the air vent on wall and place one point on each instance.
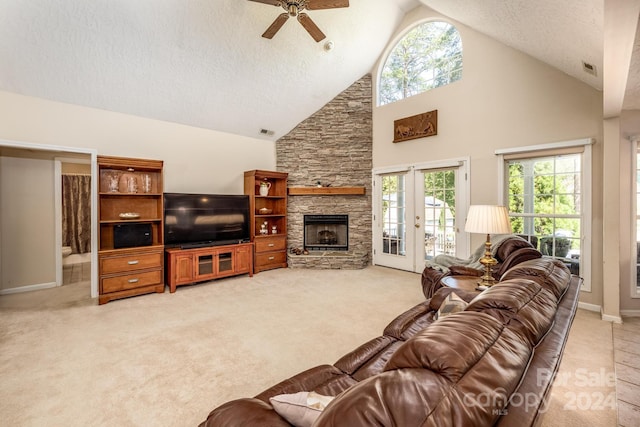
(267, 132)
(589, 68)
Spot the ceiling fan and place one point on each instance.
(294, 8)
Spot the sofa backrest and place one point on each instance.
(549, 273)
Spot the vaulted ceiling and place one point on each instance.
(204, 63)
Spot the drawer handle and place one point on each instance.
(133, 280)
(271, 258)
(271, 245)
(133, 262)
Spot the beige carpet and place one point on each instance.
(168, 359)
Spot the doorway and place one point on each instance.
(418, 210)
(14, 269)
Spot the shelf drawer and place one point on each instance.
(268, 244)
(271, 258)
(121, 264)
(130, 281)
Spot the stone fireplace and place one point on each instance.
(331, 149)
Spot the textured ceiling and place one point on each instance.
(196, 62)
(203, 62)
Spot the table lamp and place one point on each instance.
(488, 219)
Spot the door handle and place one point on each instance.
(417, 225)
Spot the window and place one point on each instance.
(428, 56)
(439, 213)
(547, 194)
(393, 214)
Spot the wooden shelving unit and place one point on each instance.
(131, 229)
(270, 250)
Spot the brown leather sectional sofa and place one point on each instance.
(491, 364)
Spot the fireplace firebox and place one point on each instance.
(326, 232)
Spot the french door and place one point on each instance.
(419, 212)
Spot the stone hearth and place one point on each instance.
(333, 147)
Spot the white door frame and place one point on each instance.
(57, 163)
(414, 260)
(58, 149)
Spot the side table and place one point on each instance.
(466, 283)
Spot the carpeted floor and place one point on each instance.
(168, 359)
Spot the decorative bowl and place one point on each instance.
(265, 211)
(129, 215)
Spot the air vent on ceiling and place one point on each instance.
(267, 132)
(589, 68)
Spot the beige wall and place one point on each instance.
(504, 99)
(196, 160)
(27, 237)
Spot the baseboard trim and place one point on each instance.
(630, 313)
(27, 288)
(589, 307)
(609, 318)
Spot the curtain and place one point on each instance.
(76, 213)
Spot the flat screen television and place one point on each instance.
(194, 220)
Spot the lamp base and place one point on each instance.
(488, 261)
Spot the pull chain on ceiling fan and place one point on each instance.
(294, 8)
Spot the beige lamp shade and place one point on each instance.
(488, 219)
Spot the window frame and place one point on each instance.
(634, 287)
(396, 40)
(586, 193)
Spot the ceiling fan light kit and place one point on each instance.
(294, 8)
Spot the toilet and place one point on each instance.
(66, 251)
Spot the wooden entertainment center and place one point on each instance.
(132, 257)
(188, 266)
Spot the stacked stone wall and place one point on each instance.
(333, 147)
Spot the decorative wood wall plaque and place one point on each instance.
(418, 126)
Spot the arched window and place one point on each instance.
(428, 56)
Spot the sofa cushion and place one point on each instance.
(451, 304)
(300, 409)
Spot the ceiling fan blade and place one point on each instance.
(271, 2)
(326, 4)
(311, 27)
(277, 24)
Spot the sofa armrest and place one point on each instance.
(244, 413)
(431, 281)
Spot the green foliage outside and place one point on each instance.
(556, 191)
(429, 56)
(442, 186)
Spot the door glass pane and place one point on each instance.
(394, 215)
(439, 213)
(545, 203)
